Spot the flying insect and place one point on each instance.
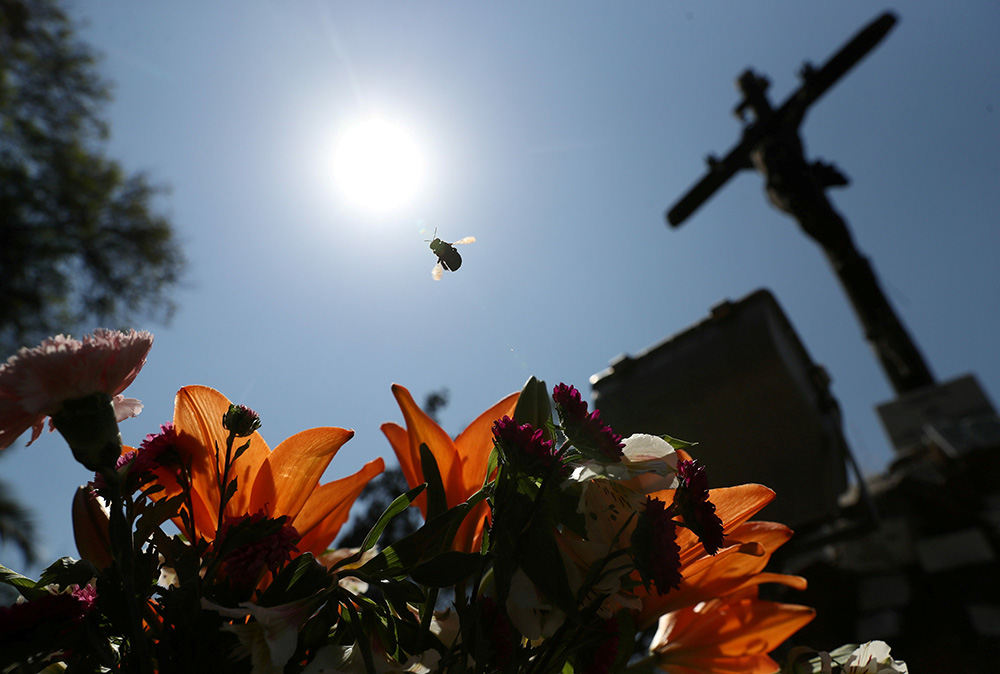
(448, 257)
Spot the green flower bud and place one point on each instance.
(240, 420)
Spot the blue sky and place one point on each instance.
(557, 134)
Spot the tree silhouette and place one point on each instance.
(16, 525)
(79, 239)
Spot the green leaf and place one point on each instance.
(677, 443)
(446, 569)
(491, 466)
(437, 501)
(398, 559)
(67, 571)
(22, 584)
(533, 406)
(301, 577)
(155, 515)
(361, 637)
(402, 592)
(399, 504)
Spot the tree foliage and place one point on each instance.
(80, 241)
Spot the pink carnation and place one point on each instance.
(35, 382)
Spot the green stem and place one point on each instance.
(224, 479)
(122, 549)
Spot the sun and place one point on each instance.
(378, 166)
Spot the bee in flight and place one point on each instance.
(448, 257)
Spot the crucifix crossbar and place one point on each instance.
(771, 145)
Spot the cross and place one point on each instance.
(771, 145)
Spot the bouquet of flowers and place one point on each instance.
(549, 543)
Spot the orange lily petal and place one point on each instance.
(475, 443)
(461, 462)
(421, 429)
(408, 464)
(91, 528)
(732, 633)
(732, 569)
(292, 471)
(198, 412)
(328, 507)
(733, 505)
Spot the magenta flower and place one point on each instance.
(270, 546)
(657, 555)
(34, 383)
(586, 430)
(46, 626)
(691, 500)
(157, 450)
(523, 441)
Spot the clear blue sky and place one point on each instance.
(557, 133)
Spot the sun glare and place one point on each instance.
(378, 166)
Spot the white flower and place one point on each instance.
(648, 463)
(271, 637)
(530, 613)
(873, 658)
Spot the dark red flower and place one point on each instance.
(54, 615)
(269, 543)
(157, 450)
(523, 441)
(585, 430)
(600, 658)
(691, 500)
(655, 549)
(500, 634)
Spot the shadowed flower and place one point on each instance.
(34, 383)
(462, 462)
(734, 633)
(523, 444)
(656, 553)
(268, 635)
(265, 544)
(501, 639)
(46, 627)
(586, 430)
(598, 658)
(283, 482)
(691, 499)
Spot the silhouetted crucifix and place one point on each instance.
(771, 145)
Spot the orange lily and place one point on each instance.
(726, 635)
(280, 482)
(738, 565)
(462, 462)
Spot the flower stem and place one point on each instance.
(122, 549)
